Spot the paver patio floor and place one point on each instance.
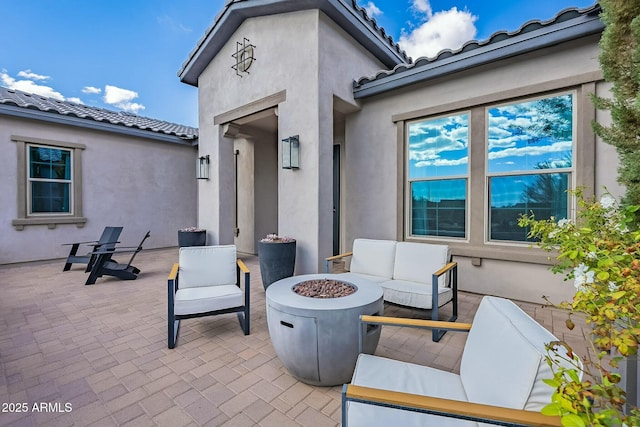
(97, 355)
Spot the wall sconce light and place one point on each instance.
(291, 152)
(202, 167)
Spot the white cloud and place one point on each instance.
(422, 6)
(76, 100)
(122, 98)
(29, 86)
(169, 22)
(91, 90)
(27, 74)
(447, 29)
(372, 9)
(556, 147)
(443, 162)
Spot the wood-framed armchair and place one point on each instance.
(205, 282)
(504, 363)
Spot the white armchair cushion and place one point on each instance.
(207, 266)
(416, 262)
(537, 336)
(500, 364)
(394, 375)
(414, 294)
(350, 277)
(373, 257)
(202, 299)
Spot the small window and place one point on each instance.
(50, 180)
(438, 158)
(529, 163)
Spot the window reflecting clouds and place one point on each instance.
(439, 151)
(523, 136)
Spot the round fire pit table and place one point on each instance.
(316, 338)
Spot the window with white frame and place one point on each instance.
(50, 180)
(529, 160)
(437, 171)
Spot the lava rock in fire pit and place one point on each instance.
(324, 288)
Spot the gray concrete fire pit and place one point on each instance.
(316, 338)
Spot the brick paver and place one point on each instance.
(102, 350)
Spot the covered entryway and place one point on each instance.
(255, 169)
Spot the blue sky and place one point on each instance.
(125, 54)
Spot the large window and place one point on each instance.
(438, 158)
(50, 180)
(529, 162)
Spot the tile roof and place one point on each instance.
(346, 13)
(64, 109)
(531, 29)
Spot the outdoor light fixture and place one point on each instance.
(202, 167)
(291, 153)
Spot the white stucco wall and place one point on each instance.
(373, 155)
(311, 67)
(131, 182)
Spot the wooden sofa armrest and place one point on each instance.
(242, 266)
(416, 323)
(446, 268)
(439, 326)
(328, 260)
(173, 275)
(444, 407)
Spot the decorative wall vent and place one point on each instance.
(243, 56)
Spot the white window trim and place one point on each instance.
(31, 180)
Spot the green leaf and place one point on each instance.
(603, 275)
(572, 420)
(618, 295)
(552, 410)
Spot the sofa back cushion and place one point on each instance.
(416, 262)
(503, 362)
(373, 257)
(207, 266)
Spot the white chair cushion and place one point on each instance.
(416, 262)
(373, 257)
(538, 337)
(413, 294)
(350, 277)
(500, 364)
(394, 375)
(204, 299)
(207, 266)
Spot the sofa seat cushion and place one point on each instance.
(204, 299)
(413, 294)
(387, 374)
(354, 277)
(373, 257)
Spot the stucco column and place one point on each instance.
(216, 195)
